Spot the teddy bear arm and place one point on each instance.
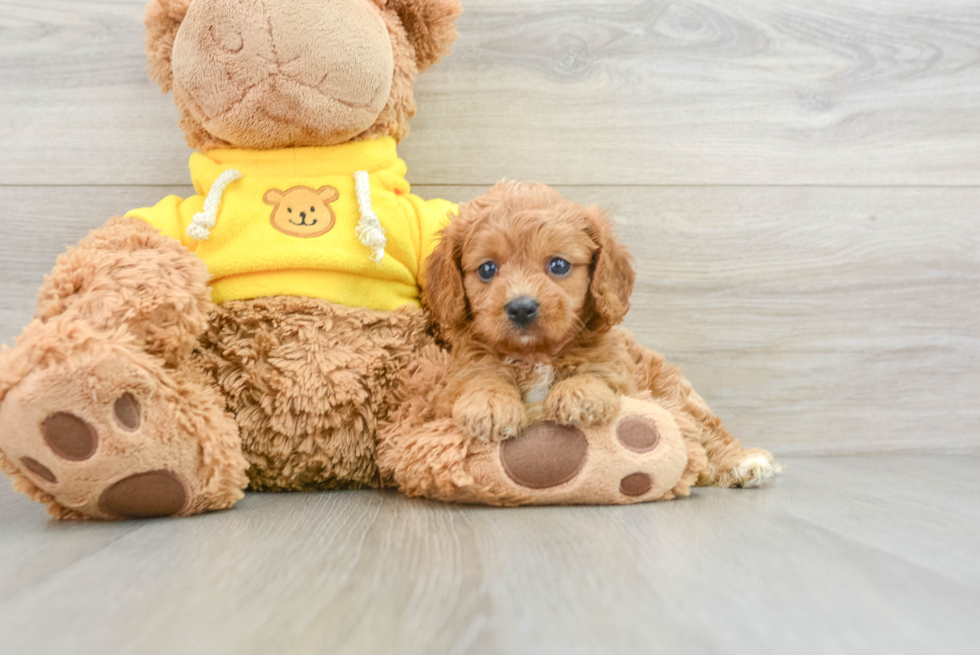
(647, 451)
(126, 274)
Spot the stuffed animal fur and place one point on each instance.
(267, 332)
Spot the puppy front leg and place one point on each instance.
(581, 400)
(490, 409)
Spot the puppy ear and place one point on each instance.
(163, 19)
(430, 28)
(612, 273)
(444, 293)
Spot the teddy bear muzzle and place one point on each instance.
(283, 73)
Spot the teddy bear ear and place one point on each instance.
(430, 28)
(327, 194)
(163, 19)
(273, 196)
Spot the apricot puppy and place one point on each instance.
(526, 286)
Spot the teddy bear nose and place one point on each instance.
(302, 214)
(522, 311)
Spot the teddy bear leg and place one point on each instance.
(94, 427)
(644, 454)
(103, 410)
(126, 275)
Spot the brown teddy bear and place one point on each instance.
(260, 332)
(292, 208)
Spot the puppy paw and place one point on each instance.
(581, 403)
(758, 467)
(490, 416)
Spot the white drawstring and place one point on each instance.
(203, 221)
(369, 229)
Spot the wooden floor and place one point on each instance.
(867, 554)
(800, 184)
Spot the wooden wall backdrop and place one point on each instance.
(799, 181)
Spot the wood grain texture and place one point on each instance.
(825, 561)
(813, 320)
(570, 92)
(800, 184)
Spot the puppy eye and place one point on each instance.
(289, 209)
(487, 270)
(312, 209)
(559, 267)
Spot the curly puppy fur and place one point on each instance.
(565, 353)
(288, 388)
(428, 457)
(572, 363)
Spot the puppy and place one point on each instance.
(526, 287)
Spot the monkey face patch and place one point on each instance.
(302, 211)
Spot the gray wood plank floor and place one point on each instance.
(800, 184)
(868, 554)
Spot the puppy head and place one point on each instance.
(526, 271)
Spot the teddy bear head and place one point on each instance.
(266, 74)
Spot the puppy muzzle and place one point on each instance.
(522, 311)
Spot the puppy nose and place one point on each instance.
(522, 311)
(302, 214)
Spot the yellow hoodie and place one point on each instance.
(337, 223)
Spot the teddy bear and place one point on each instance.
(306, 202)
(267, 332)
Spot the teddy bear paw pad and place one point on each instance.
(39, 469)
(636, 484)
(144, 495)
(545, 456)
(69, 437)
(638, 433)
(127, 411)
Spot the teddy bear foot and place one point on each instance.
(639, 457)
(105, 431)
